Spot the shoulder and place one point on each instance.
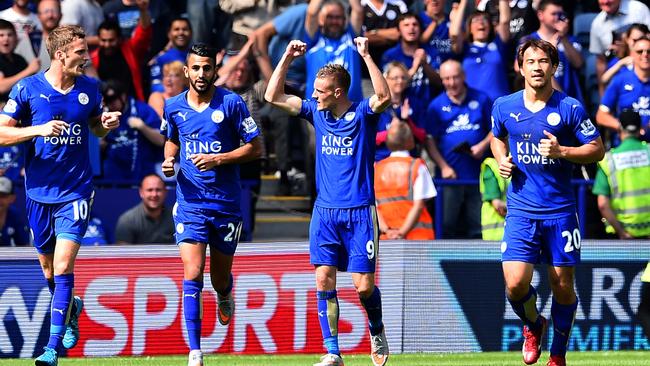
(127, 218)
(508, 99)
(229, 98)
(175, 101)
(567, 102)
(88, 82)
(598, 22)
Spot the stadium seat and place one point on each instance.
(582, 28)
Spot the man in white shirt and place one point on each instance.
(26, 24)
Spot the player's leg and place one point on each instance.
(324, 248)
(191, 237)
(224, 237)
(193, 257)
(562, 248)
(362, 247)
(563, 310)
(519, 250)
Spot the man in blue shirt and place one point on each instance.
(539, 134)
(13, 229)
(132, 151)
(435, 28)
(204, 126)
(460, 127)
(330, 40)
(180, 36)
(52, 112)
(344, 230)
(629, 90)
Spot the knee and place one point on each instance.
(193, 272)
(61, 268)
(325, 281)
(517, 290)
(365, 290)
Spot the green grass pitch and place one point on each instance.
(619, 358)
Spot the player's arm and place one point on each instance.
(381, 99)
(249, 151)
(590, 152)
(171, 149)
(500, 152)
(105, 122)
(11, 135)
(605, 207)
(275, 93)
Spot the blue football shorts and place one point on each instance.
(344, 237)
(52, 221)
(219, 230)
(552, 241)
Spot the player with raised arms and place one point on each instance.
(343, 231)
(206, 126)
(539, 134)
(52, 113)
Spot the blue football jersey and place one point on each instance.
(440, 37)
(485, 67)
(345, 154)
(453, 125)
(541, 186)
(626, 90)
(57, 169)
(419, 87)
(219, 128)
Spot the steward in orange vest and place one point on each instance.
(401, 210)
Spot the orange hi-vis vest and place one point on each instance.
(394, 180)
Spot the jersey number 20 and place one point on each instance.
(572, 240)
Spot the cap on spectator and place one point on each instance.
(6, 186)
(630, 120)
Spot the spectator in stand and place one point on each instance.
(629, 90)
(493, 188)
(271, 42)
(13, 67)
(87, 14)
(523, 20)
(95, 233)
(623, 61)
(11, 162)
(173, 81)
(435, 24)
(13, 228)
(150, 222)
(402, 108)
(132, 150)
(380, 27)
(247, 16)
(49, 14)
(127, 14)
(121, 59)
(554, 28)
(330, 39)
(483, 48)
(179, 36)
(460, 125)
(402, 185)
(422, 60)
(26, 24)
(614, 18)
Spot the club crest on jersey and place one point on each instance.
(249, 124)
(180, 228)
(472, 104)
(587, 128)
(349, 116)
(10, 107)
(217, 116)
(83, 98)
(553, 119)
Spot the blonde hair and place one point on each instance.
(61, 37)
(173, 67)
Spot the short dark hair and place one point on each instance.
(5, 24)
(540, 44)
(642, 38)
(203, 50)
(408, 16)
(179, 19)
(477, 14)
(338, 72)
(113, 88)
(544, 3)
(110, 25)
(638, 26)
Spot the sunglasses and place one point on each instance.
(640, 52)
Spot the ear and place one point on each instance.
(186, 71)
(59, 55)
(337, 93)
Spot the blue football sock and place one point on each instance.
(328, 317)
(50, 286)
(227, 290)
(373, 308)
(563, 316)
(61, 301)
(526, 309)
(193, 311)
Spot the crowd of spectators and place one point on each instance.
(445, 63)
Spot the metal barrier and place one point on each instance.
(580, 185)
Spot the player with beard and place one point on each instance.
(204, 126)
(52, 112)
(539, 134)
